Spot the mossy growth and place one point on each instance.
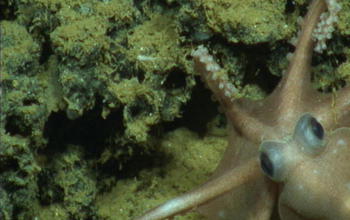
(19, 52)
(252, 22)
(67, 180)
(23, 114)
(154, 45)
(96, 96)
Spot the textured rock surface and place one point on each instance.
(101, 111)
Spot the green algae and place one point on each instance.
(251, 22)
(155, 44)
(69, 180)
(96, 97)
(16, 38)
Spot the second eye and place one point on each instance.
(272, 160)
(309, 133)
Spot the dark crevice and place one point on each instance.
(197, 112)
(256, 69)
(7, 10)
(139, 107)
(290, 7)
(141, 159)
(89, 131)
(255, 60)
(46, 50)
(15, 126)
(176, 79)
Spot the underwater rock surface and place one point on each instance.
(101, 113)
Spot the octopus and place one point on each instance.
(288, 155)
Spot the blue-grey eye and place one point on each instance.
(317, 128)
(266, 164)
(309, 133)
(272, 160)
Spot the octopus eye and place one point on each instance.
(309, 133)
(317, 128)
(266, 164)
(272, 160)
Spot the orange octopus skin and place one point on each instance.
(288, 153)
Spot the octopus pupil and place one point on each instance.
(266, 164)
(317, 128)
